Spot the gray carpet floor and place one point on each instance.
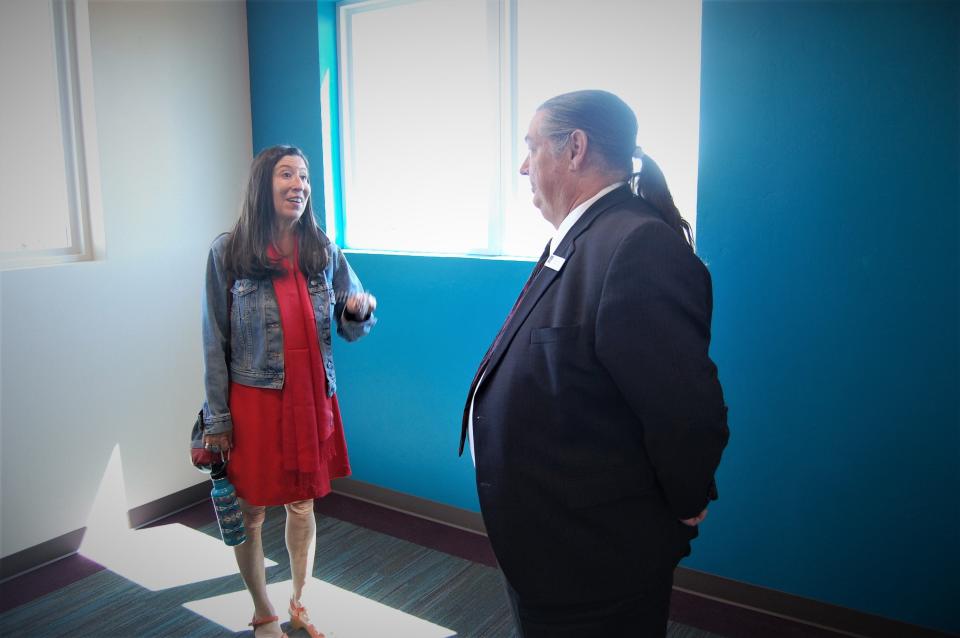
(448, 591)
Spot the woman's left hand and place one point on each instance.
(218, 442)
(361, 305)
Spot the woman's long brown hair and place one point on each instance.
(246, 250)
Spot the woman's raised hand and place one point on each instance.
(361, 305)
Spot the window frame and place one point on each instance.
(70, 32)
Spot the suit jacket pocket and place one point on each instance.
(555, 333)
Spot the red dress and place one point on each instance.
(288, 443)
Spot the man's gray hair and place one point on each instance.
(610, 126)
(611, 129)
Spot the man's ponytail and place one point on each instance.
(651, 186)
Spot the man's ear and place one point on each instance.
(577, 149)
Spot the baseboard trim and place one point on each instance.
(806, 611)
(167, 505)
(39, 555)
(68, 544)
(413, 505)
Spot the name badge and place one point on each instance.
(554, 262)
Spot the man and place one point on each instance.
(596, 417)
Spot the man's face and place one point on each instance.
(547, 170)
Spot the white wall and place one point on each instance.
(108, 352)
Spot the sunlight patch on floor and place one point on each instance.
(157, 557)
(336, 612)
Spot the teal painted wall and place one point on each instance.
(828, 214)
(287, 65)
(403, 386)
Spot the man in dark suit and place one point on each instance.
(596, 416)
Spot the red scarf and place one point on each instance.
(307, 421)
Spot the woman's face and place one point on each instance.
(291, 188)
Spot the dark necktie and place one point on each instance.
(486, 357)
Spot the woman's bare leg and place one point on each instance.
(301, 536)
(250, 561)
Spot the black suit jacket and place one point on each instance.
(600, 420)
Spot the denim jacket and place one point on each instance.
(247, 346)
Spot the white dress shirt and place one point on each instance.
(572, 217)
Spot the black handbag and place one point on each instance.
(202, 458)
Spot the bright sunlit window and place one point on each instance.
(50, 210)
(436, 97)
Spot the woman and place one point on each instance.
(274, 285)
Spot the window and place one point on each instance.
(436, 97)
(48, 177)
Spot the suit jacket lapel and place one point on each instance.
(547, 275)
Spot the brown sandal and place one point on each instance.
(266, 620)
(300, 620)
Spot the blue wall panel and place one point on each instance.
(828, 212)
(285, 80)
(404, 385)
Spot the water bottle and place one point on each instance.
(224, 497)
